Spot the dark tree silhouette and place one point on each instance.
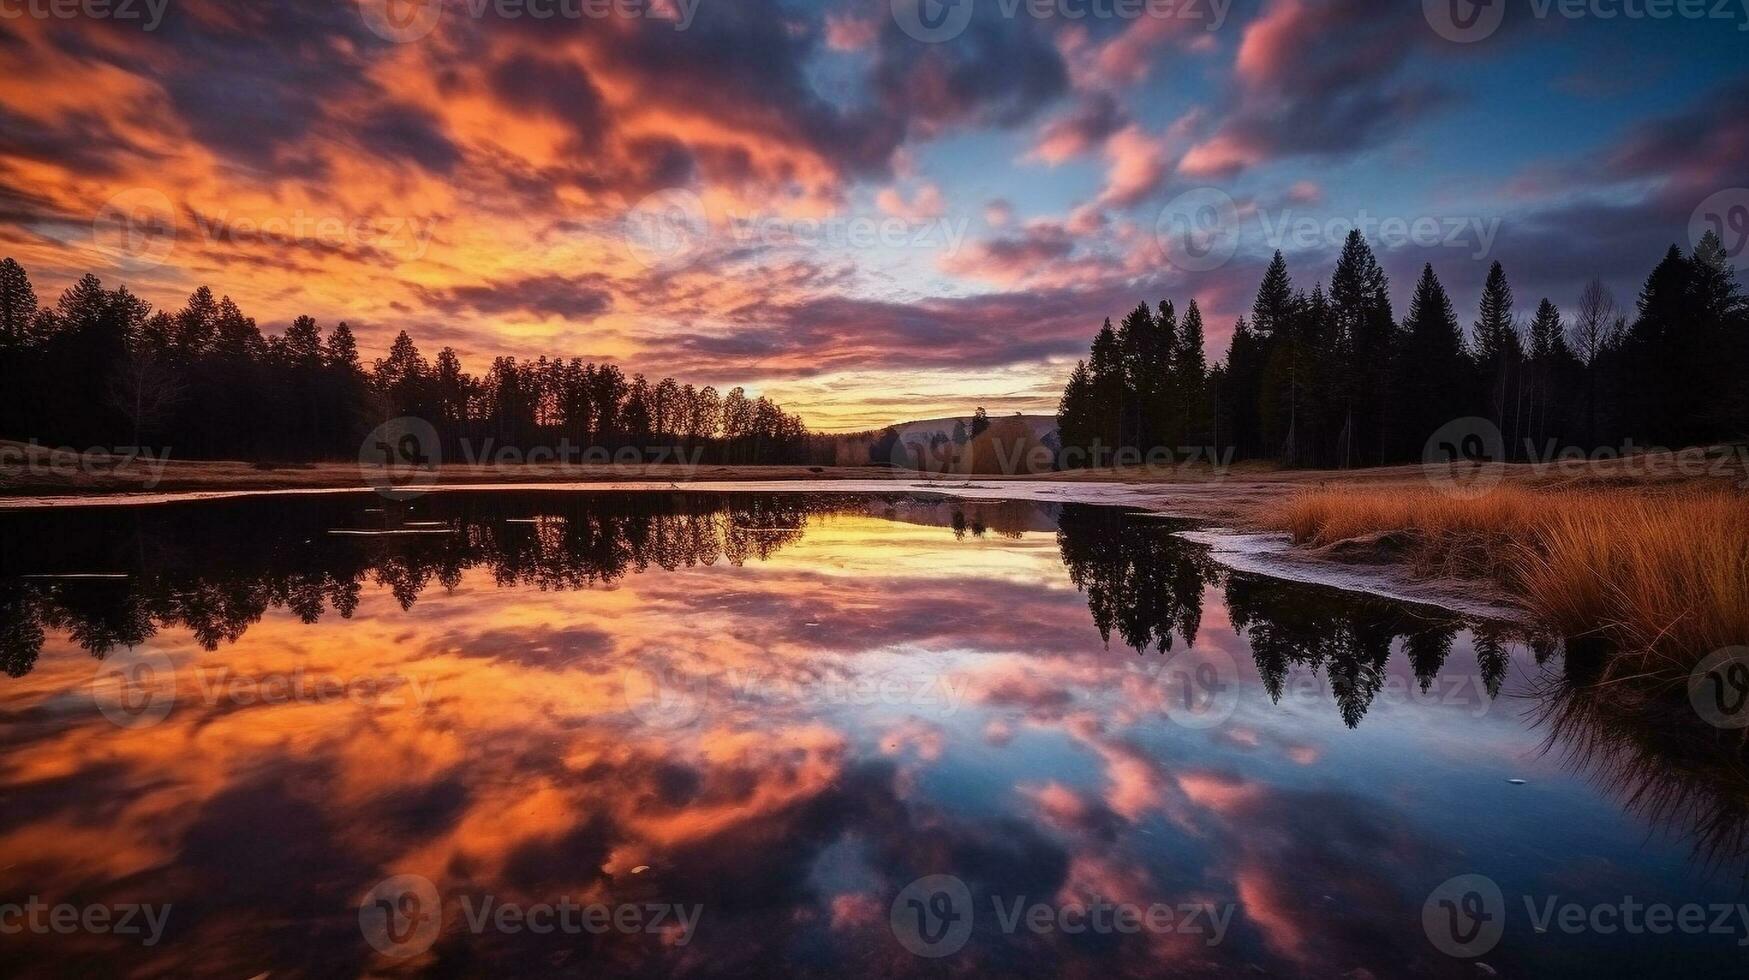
(101, 368)
(1329, 379)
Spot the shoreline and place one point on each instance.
(1232, 503)
(1235, 547)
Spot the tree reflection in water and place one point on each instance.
(1641, 742)
(215, 568)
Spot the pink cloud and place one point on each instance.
(1221, 155)
(1138, 164)
(1305, 192)
(1270, 40)
(926, 205)
(845, 32)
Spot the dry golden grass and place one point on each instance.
(1665, 574)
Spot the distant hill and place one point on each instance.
(1041, 425)
(863, 448)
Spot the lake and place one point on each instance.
(827, 734)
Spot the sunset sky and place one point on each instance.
(864, 225)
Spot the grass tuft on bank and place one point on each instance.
(1660, 574)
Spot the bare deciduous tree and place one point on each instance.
(1595, 326)
(146, 389)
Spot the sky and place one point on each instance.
(869, 210)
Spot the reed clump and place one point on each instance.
(1665, 575)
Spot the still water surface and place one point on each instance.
(652, 734)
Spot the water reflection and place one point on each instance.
(859, 693)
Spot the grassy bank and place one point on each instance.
(1662, 574)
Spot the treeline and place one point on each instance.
(1333, 379)
(215, 571)
(101, 368)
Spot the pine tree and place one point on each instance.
(1075, 413)
(1190, 376)
(1499, 352)
(1276, 317)
(1105, 365)
(1361, 308)
(302, 345)
(342, 350)
(1546, 330)
(1273, 310)
(1433, 369)
(17, 305)
(1136, 339)
(1243, 389)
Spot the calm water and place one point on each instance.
(726, 734)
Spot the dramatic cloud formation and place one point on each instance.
(854, 203)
